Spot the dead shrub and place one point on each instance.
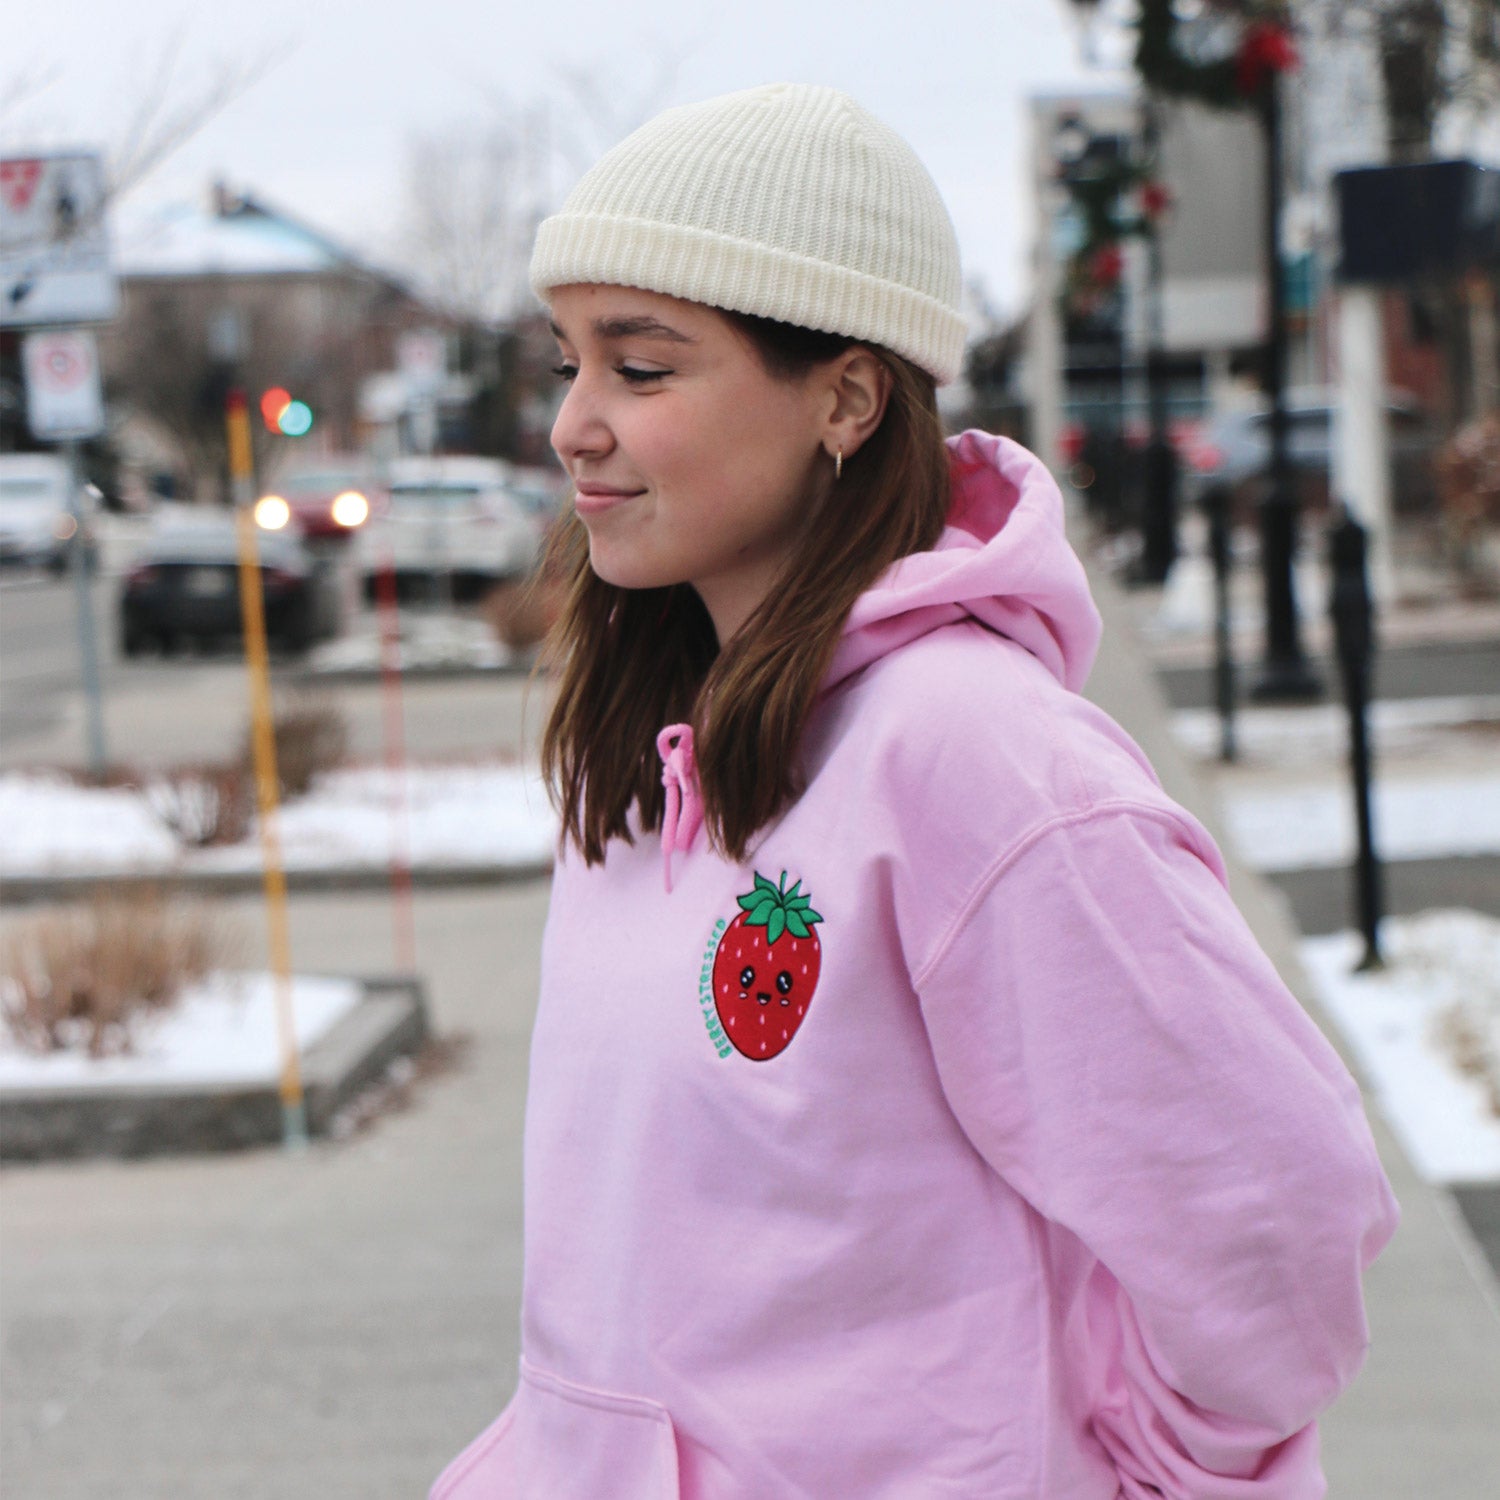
(521, 612)
(1468, 473)
(311, 737)
(205, 804)
(82, 976)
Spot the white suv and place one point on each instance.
(37, 524)
(454, 516)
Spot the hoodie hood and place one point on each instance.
(1003, 559)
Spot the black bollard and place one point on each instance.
(1159, 486)
(1354, 637)
(1216, 503)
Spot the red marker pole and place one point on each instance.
(389, 613)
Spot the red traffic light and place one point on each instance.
(272, 404)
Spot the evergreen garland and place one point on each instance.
(1232, 82)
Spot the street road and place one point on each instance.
(190, 708)
(1431, 669)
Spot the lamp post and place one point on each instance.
(1284, 672)
(1160, 478)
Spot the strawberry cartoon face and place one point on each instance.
(766, 968)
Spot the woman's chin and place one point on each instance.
(627, 572)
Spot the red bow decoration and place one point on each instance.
(1107, 265)
(1156, 199)
(1267, 49)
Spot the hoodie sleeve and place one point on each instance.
(1115, 1044)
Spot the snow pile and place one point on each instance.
(1425, 1032)
(431, 642)
(1307, 827)
(221, 1032)
(49, 824)
(447, 816)
(443, 815)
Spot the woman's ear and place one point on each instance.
(860, 385)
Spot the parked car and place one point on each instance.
(184, 588)
(38, 526)
(459, 517)
(331, 499)
(1233, 453)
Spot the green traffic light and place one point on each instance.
(296, 419)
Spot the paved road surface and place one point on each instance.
(1427, 670)
(159, 713)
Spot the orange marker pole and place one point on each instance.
(263, 741)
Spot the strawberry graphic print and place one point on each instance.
(766, 968)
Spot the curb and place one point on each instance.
(19, 890)
(133, 1121)
(308, 677)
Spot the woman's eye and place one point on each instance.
(639, 377)
(565, 372)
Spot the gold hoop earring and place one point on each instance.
(838, 466)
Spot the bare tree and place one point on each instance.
(476, 192)
(166, 116)
(159, 126)
(1433, 56)
(468, 219)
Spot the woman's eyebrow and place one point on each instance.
(640, 327)
(628, 328)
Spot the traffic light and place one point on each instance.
(283, 415)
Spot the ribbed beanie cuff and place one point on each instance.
(788, 202)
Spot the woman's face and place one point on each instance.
(692, 464)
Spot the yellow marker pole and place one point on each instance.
(263, 740)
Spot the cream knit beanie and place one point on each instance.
(788, 201)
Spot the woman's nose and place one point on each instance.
(579, 430)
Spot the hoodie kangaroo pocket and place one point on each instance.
(561, 1441)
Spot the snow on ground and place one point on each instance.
(221, 1032)
(425, 642)
(451, 816)
(49, 823)
(1425, 1032)
(1303, 827)
(1319, 734)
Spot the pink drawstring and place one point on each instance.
(679, 775)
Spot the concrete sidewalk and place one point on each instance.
(1423, 1420)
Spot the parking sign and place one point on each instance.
(63, 399)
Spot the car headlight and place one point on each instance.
(272, 512)
(64, 528)
(351, 508)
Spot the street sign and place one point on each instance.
(422, 358)
(63, 398)
(54, 253)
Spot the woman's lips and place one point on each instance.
(592, 499)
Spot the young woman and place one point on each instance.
(911, 1112)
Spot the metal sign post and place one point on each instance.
(64, 404)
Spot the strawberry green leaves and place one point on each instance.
(778, 909)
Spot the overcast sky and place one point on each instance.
(326, 130)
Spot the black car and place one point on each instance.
(184, 588)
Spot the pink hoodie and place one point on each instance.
(961, 1142)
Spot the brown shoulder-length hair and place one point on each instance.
(631, 661)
